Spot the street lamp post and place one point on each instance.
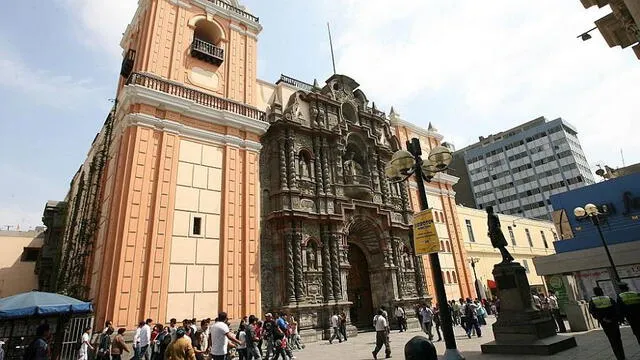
(473, 261)
(403, 164)
(591, 211)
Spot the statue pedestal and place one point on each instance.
(521, 328)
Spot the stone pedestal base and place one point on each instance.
(521, 328)
(546, 346)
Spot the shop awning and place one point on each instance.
(37, 303)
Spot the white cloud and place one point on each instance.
(44, 87)
(499, 65)
(101, 23)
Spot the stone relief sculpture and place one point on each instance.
(311, 257)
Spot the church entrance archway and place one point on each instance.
(359, 288)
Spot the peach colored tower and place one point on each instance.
(178, 232)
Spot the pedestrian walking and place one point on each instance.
(380, 324)
(335, 326)
(38, 349)
(252, 339)
(83, 353)
(555, 311)
(220, 337)
(343, 325)
(268, 331)
(629, 302)
(471, 316)
(104, 347)
(118, 345)
(606, 311)
(427, 320)
(401, 318)
(181, 349)
(437, 321)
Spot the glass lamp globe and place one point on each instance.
(440, 157)
(391, 172)
(402, 160)
(591, 209)
(579, 212)
(428, 169)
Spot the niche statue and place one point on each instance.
(497, 237)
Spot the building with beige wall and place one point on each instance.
(20, 251)
(527, 238)
(163, 216)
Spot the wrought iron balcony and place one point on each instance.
(127, 63)
(294, 82)
(207, 52)
(199, 97)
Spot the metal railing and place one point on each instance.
(199, 97)
(294, 82)
(357, 180)
(225, 5)
(207, 48)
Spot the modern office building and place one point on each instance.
(517, 170)
(527, 238)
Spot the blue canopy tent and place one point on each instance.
(21, 314)
(37, 303)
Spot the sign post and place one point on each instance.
(425, 235)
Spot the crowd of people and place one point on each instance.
(254, 339)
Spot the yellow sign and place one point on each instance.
(425, 235)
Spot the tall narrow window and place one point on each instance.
(197, 225)
(511, 236)
(525, 263)
(544, 239)
(454, 276)
(470, 230)
(526, 231)
(448, 277)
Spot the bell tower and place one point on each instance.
(206, 44)
(179, 231)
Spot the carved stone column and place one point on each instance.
(291, 161)
(297, 264)
(325, 166)
(375, 179)
(420, 278)
(398, 263)
(291, 280)
(335, 266)
(283, 166)
(318, 167)
(384, 184)
(337, 155)
(326, 266)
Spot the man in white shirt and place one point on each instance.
(380, 323)
(173, 328)
(427, 320)
(555, 311)
(145, 339)
(220, 337)
(335, 325)
(400, 316)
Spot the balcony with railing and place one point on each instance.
(199, 97)
(294, 82)
(207, 52)
(243, 14)
(358, 187)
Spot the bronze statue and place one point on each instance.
(497, 237)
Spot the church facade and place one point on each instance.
(336, 234)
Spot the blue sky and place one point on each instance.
(469, 68)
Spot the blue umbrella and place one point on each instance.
(37, 303)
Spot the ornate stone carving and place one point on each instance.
(318, 166)
(326, 266)
(335, 266)
(291, 280)
(291, 166)
(325, 166)
(308, 205)
(283, 166)
(297, 263)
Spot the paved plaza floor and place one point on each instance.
(592, 345)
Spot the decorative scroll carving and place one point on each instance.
(314, 288)
(326, 266)
(419, 275)
(291, 280)
(283, 166)
(308, 205)
(383, 182)
(297, 263)
(335, 266)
